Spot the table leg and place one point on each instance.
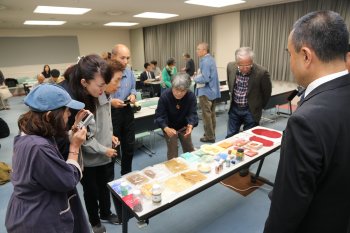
(125, 218)
(256, 176)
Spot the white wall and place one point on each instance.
(225, 40)
(90, 41)
(137, 49)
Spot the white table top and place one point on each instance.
(168, 196)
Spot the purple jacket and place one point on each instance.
(44, 189)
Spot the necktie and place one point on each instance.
(301, 99)
(148, 75)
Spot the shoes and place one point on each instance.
(99, 228)
(244, 172)
(112, 218)
(204, 139)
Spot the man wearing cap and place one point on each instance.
(44, 183)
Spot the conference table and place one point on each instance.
(184, 177)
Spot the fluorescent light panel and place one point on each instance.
(120, 24)
(155, 15)
(216, 3)
(41, 22)
(61, 10)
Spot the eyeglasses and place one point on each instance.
(244, 66)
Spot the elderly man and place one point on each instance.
(250, 88)
(122, 114)
(208, 90)
(308, 195)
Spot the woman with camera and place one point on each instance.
(44, 197)
(87, 81)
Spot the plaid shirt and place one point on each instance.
(240, 91)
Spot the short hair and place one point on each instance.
(154, 62)
(205, 46)
(146, 65)
(55, 73)
(181, 81)
(170, 61)
(348, 47)
(325, 32)
(38, 123)
(186, 55)
(113, 67)
(244, 52)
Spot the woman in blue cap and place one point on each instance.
(42, 179)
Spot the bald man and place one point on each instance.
(122, 114)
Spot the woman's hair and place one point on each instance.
(86, 68)
(49, 72)
(44, 124)
(181, 81)
(113, 67)
(170, 61)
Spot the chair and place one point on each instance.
(26, 89)
(11, 82)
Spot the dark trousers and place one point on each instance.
(96, 194)
(238, 116)
(186, 144)
(124, 128)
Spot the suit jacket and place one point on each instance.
(144, 77)
(259, 87)
(312, 191)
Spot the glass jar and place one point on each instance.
(156, 193)
(240, 154)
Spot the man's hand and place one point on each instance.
(188, 130)
(117, 103)
(170, 132)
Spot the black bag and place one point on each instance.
(4, 129)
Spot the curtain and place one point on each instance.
(266, 31)
(173, 39)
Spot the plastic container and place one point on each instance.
(240, 154)
(124, 188)
(156, 194)
(137, 200)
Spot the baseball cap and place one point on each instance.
(47, 97)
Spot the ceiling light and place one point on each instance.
(61, 10)
(41, 22)
(216, 3)
(155, 15)
(120, 24)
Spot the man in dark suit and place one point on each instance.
(146, 77)
(312, 191)
(250, 88)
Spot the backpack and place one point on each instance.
(4, 129)
(4, 173)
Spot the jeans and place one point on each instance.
(238, 116)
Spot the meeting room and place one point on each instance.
(186, 116)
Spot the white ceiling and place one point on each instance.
(14, 12)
